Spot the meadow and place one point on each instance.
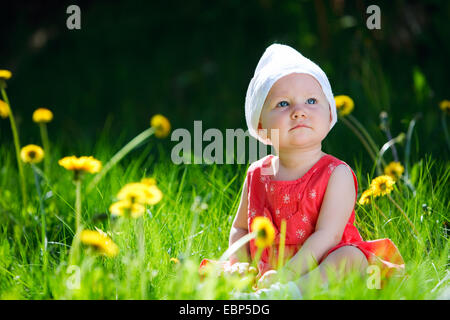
(153, 250)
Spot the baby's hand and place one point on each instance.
(268, 278)
(240, 268)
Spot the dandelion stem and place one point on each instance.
(412, 123)
(379, 210)
(237, 245)
(365, 133)
(45, 143)
(404, 214)
(363, 141)
(281, 244)
(43, 227)
(394, 149)
(119, 155)
(17, 148)
(78, 204)
(42, 175)
(257, 257)
(74, 252)
(387, 145)
(385, 127)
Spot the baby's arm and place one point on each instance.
(335, 212)
(239, 228)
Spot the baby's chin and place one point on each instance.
(299, 136)
(297, 142)
(305, 136)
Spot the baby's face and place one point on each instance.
(296, 99)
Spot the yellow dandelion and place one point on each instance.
(149, 181)
(42, 115)
(32, 154)
(365, 197)
(127, 208)
(174, 260)
(4, 109)
(87, 164)
(154, 195)
(140, 193)
(394, 170)
(100, 241)
(382, 185)
(344, 104)
(445, 106)
(133, 192)
(5, 74)
(265, 232)
(161, 125)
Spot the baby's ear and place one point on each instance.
(331, 114)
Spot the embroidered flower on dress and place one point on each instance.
(305, 218)
(312, 194)
(252, 213)
(277, 212)
(300, 233)
(286, 198)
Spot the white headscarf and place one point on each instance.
(278, 61)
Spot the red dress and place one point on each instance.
(299, 202)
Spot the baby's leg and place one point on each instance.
(351, 257)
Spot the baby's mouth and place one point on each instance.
(300, 126)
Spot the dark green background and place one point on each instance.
(193, 60)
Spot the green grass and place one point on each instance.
(176, 228)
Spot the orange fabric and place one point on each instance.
(224, 266)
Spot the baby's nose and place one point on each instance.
(299, 112)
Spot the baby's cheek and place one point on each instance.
(328, 115)
(325, 118)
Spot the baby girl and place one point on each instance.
(290, 105)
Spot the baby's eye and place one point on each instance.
(311, 100)
(283, 103)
